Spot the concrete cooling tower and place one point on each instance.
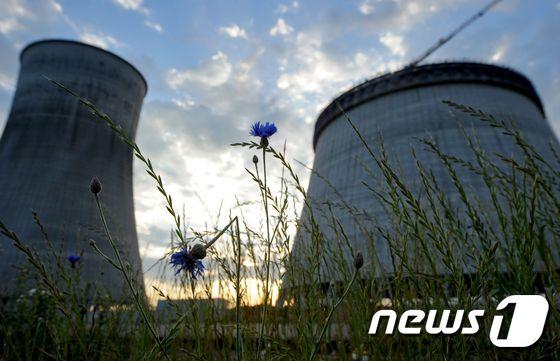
(51, 148)
(400, 107)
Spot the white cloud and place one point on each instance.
(214, 72)
(375, 16)
(281, 28)
(185, 103)
(134, 5)
(394, 42)
(13, 14)
(501, 48)
(414, 8)
(9, 25)
(31, 16)
(314, 73)
(14, 7)
(284, 8)
(153, 25)
(56, 6)
(153, 251)
(7, 82)
(101, 40)
(498, 54)
(137, 6)
(318, 70)
(366, 7)
(234, 31)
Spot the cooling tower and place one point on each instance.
(51, 148)
(399, 108)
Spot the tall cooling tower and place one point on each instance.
(51, 148)
(400, 107)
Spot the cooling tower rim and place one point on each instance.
(75, 42)
(426, 75)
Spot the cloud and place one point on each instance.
(234, 31)
(101, 40)
(14, 15)
(320, 63)
(498, 54)
(153, 251)
(21, 18)
(7, 82)
(137, 6)
(9, 25)
(394, 42)
(366, 7)
(281, 28)
(284, 8)
(153, 25)
(499, 48)
(56, 6)
(185, 103)
(371, 17)
(315, 73)
(134, 5)
(213, 72)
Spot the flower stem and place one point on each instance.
(331, 312)
(238, 294)
(128, 279)
(267, 259)
(216, 237)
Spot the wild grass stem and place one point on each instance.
(331, 312)
(239, 343)
(127, 278)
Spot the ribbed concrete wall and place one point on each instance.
(399, 107)
(51, 148)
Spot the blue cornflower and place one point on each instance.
(73, 259)
(185, 260)
(263, 130)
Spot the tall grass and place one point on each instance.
(432, 239)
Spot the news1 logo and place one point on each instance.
(526, 327)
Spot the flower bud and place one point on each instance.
(358, 260)
(95, 186)
(198, 251)
(255, 159)
(264, 142)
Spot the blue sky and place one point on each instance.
(213, 67)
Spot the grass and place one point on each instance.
(432, 238)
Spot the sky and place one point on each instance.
(214, 67)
